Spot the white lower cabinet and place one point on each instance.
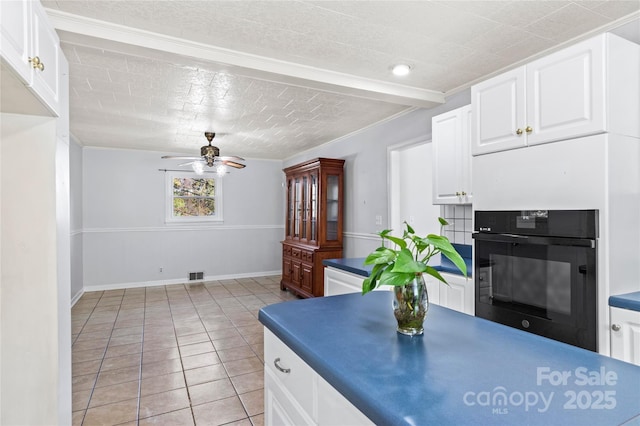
(625, 335)
(337, 282)
(340, 282)
(295, 395)
(459, 295)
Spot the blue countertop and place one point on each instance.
(459, 372)
(356, 265)
(629, 301)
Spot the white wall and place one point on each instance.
(29, 323)
(75, 178)
(125, 238)
(365, 152)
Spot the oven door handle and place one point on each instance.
(534, 239)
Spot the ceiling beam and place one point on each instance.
(243, 63)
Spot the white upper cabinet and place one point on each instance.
(451, 157)
(31, 49)
(15, 28)
(589, 88)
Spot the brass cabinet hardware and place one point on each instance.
(36, 63)
(529, 129)
(615, 327)
(519, 132)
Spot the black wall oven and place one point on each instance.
(536, 270)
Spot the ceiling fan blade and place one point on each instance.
(234, 164)
(230, 157)
(190, 163)
(180, 157)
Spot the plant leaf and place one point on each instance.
(405, 263)
(399, 241)
(380, 255)
(395, 278)
(372, 281)
(434, 273)
(442, 221)
(447, 250)
(409, 228)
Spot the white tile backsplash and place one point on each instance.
(460, 220)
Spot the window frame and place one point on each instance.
(218, 198)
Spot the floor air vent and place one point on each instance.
(193, 276)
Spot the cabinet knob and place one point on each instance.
(284, 370)
(463, 193)
(615, 327)
(36, 63)
(528, 129)
(518, 132)
(457, 194)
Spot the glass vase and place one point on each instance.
(410, 306)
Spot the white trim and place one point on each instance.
(75, 232)
(178, 227)
(120, 286)
(77, 297)
(361, 236)
(256, 66)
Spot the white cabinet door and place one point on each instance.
(280, 408)
(335, 410)
(15, 29)
(452, 157)
(566, 93)
(625, 335)
(339, 282)
(46, 46)
(459, 294)
(433, 289)
(498, 106)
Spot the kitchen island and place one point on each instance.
(463, 370)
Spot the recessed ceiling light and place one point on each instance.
(401, 69)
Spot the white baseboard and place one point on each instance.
(77, 297)
(120, 286)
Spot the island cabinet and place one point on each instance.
(578, 91)
(31, 50)
(625, 335)
(294, 394)
(451, 134)
(313, 227)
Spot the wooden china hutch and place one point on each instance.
(313, 228)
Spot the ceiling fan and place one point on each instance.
(209, 156)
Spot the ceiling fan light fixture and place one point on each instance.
(221, 170)
(198, 167)
(401, 70)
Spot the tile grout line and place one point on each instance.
(144, 316)
(93, 388)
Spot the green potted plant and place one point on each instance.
(403, 267)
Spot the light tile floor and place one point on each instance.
(172, 355)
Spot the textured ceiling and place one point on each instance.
(278, 77)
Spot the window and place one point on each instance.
(193, 198)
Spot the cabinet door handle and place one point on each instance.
(519, 132)
(463, 193)
(36, 64)
(615, 327)
(528, 129)
(284, 370)
(457, 194)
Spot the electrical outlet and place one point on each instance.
(378, 220)
(161, 269)
(412, 220)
